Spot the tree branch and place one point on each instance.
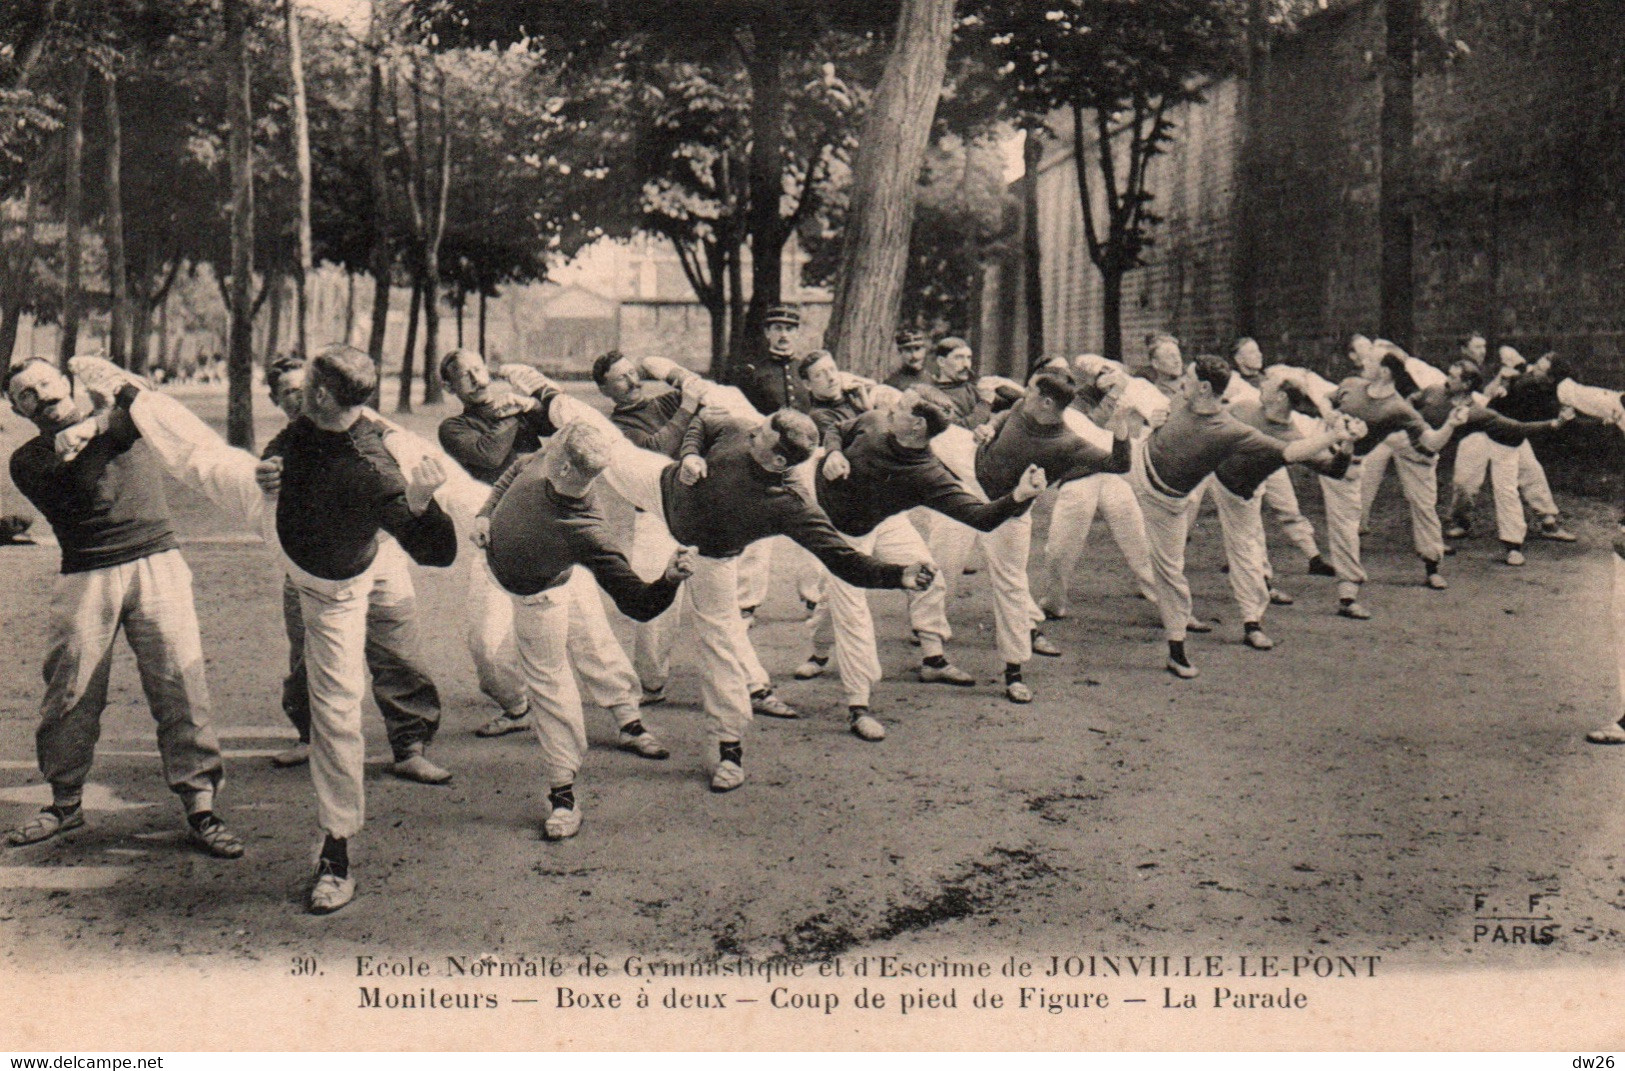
(1080, 165)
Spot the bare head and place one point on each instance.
(465, 374)
(41, 393)
(341, 379)
(1167, 362)
(1359, 351)
(954, 360)
(1464, 377)
(575, 457)
(1247, 357)
(1475, 347)
(285, 379)
(1049, 392)
(917, 418)
(617, 377)
(819, 372)
(784, 440)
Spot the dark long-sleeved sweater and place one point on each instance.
(654, 422)
(1243, 473)
(1436, 404)
(537, 535)
(888, 478)
(486, 445)
(339, 489)
(1021, 441)
(740, 502)
(106, 506)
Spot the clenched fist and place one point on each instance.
(70, 442)
(918, 577)
(836, 466)
(427, 476)
(1032, 484)
(692, 470)
(681, 566)
(268, 474)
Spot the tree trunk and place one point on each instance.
(1397, 123)
(383, 260)
(403, 400)
(240, 354)
(117, 268)
(1111, 313)
(72, 213)
(766, 173)
(482, 323)
(885, 185)
(19, 278)
(273, 328)
(140, 336)
(379, 327)
(462, 300)
(301, 152)
(163, 335)
(1032, 274)
(738, 348)
(431, 330)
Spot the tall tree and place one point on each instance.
(885, 182)
(73, 215)
(1396, 206)
(1120, 68)
(301, 153)
(240, 355)
(117, 269)
(423, 141)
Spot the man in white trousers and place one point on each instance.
(1170, 463)
(1241, 483)
(879, 465)
(732, 488)
(540, 523)
(1279, 496)
(505, 416)
(121, 570)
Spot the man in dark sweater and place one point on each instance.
(103, 497)
(341, 487)
(880, 467)
(506, 416)
(731, 489)
(541, 522)
(1033, 435)
(1532, 396)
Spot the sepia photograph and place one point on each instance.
(812, 525)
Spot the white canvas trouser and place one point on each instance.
(150, 599)
(1467, 478)
(1619, 622)
(1281, 499)
(335, 613)
(1532, 482)
(1342, 498)
(1510, 525)
(1167, 525)
(1372, 473)
(1241, 524)
(1419, 480)
(593, 649)
(711, 594)
(1076, 503)
(895, 541)
(541, 627)
(1474, 456)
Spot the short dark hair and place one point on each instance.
(280, 367)
(805, 365)
(1297, 397)
(1393, 359)
(798, 435)
(452, 358)
(15, 370)
(1244, 340)
(933, 408)
(1059, 387)
(1557, 368)
(1466, 340)
(346, 372)
(603, 363)
(1214, 371)
(1471, 376)
(948, 345)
